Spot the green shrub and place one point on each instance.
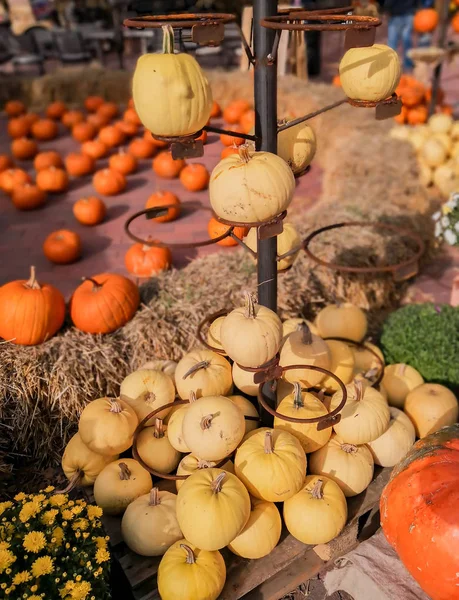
(426, 337)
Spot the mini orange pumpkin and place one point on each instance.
(109, 182)
(195, 177)
(418, 115)
(230, 140)
(56, 110)
(89, 211)
(425, 20)
(28, 197)
(336, 81)
(147, 261)
(401, 118)
(234, 111)
(93, 103)
(455, 23)
(10, 178)
(23, 148)
(45, 129)
(6, 162)
(78, 165)
(413, 95)
(123, 162)
(97, 120)
(163, 198)
(167, 167)
(95, 149)
(111, 136)
(108, 109)
(14, 108)
(52, 180)
(18, 127)
(62, 247)
(229, 150)
(84, 131)
(129, 129)
(44, 160)
(247, 120)
(158, 143)
(131, 116)
(203, 137)
(215, 111)
(215, 229)
(31, 118)
(71, 118)
(142, 148)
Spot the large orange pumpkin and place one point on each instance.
(167, 167)
(30, 312)
(84, 131)
(78, 165)
(56, 110)
(215, 229)
(24, 149)
(111, 136)
(6, 162)
(420, 516)
(163, 198)
(425, 20)
(95, 149)
(109, 182)
(108, 110)
(231, 140)
(89, 211)
(28, 197)
(93, 103)
(104, 303)
(10, 178)
(71, 118)
(53, 180)
(234, 111)
(123, 162)
(44, 160)
(142, 148)
(417, 115)
(18, 127)
(45, 129)
(62, 247)
(147, 261)
(14, 108)
(194, 177)
(129, 129)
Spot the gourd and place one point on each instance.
(45, 129)
(365, 359)
(252, 335)
(213, 335)
(24, 148)
(343, 320)
(244, 381)
(108, 110)
(83, 132)
(291, 325)
(18, 128)
(62, 247)
(119, 483)
(71, 118)
(350, 466)
(318, 512)
(398, 381)
(248, 410)
(213, 427)
(146, 390)
(164, 165)
(271, 463)
(365, 416)
(6, 162)
(14, 108)
(261, 533)
(107, 426)
(109, 182)
(95, 149)
(81, 465)
(141, 148)
(303, 405)
(163, 198)
(371, 73)
(234, 110)
(304, 348)
(430, 407)
(341, 364)
(189, 572)
(250, 187)
(185, 102)
(89, 211)
(155, 449)
(395, 442)
(175, 425)
(425, 174)
(143, 260)
(111, 136)
(204, 372)
(215, 229)
(30, 312)
(149, 526)
(191, 463)
(28, 197)
(123, 162)
(286, 242)
(213, 506)
(297, 146)
(12, 177)
(93, 103)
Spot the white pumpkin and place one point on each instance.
(433, 153)
(344, 320)
(213, 335)
(297, 146)
(165, 366)
(244, 381)
(430, 407)
(395, 442)
(146, 391)
(248, 410)
(291, 325)
(341, 364)
(445, 140)
(425, 174)
(398, 381)
(191, 463)
(174, 426)
(288, 240)
(400, 132)
(155, 449)
(417, 139)
(365, 360)
(440, 123)
(204, 372)
(446, 179)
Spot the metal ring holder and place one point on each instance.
(319, 21)
(179, 20)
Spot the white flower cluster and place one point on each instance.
(447, 221)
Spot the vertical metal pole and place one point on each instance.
(444, 18)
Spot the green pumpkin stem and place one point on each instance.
(190, 558)
(317, 491)
(297, 396)
(216, 484)
(249, 306)
(269, 442)
(168, 39)
(32, 283)
(154, 497)
(197, 367)
(125, 473)
(159, 429)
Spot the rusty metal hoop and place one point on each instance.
(277, 219)
(320, 21)
(325, 11)
(179, 21)
(394, 99)
(208, 320)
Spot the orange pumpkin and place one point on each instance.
(123, 162)
(28, 197)
(45, 129)
(31, 118)
(129, 129)
(95, 149)
(336, 81)
(56, 110)
(97, 120)
(425, 20)
(247, 120)
(84, 131)
(78, 165)
(108, 110)
(104, 303)
(455, 23)
(440, 95)
(215, 229)
(228, 151)
(195, 177)
(142, 148)
(30, 312)
(6, 162)
(147, 261)
(23, 148)
(131, 116)
(167, 167)
(215, 111)
(44, 160)
(234, 111)
(89, 211)
(109, 182)
(71, 118)
(413, 95)
(131, 103)
(203, 137)
(446, 109)
(111, 136)
(230, 140)
(401, 118)
(62, 247)
(418, 115)
(158, 143)
(93, 103)
(52, 180)
(163, 198)
(18, 127)
(10, 178)
(14, 108)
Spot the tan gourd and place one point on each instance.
(174, 427)
(81, 465)
(149, 526)
(291, 325)
(271, 463)
(445, 139)
(430, 407)
(395, 442)
(212, 508)
(425, 173)
(245, 381)
(147, 390)
(297, 146)
(155, 449)
(165, 366)
(342, 321)
(119, 483)
(213, 335)
(204, 372)
(287, 241)
(350, 466)
(398, 381)
(191, 463)
(318, 512)
(248, 410)
(341, 364)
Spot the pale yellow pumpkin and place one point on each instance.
(183, 97)
(318, 512)
(204, 372)
(430, 407)
(213, 427)
(341, 364)
(213, 335)
(174, 427)
(417, 139)
(297, 146)
(245, 381)
(395, 442)
(107, 426)
(291, 325)
(398, 381)
(187, 572)
(425, 174)
(251, 335)
(248, 410)
(271, 463)
(454, 132)
(365, 360)
(343, 320)
(147, 390)
(445, 140)
(370, 73)
(166, 366)
(212, 508)
(81, 465)
(119, 483)
(400, 132)
(155, 449)
(446, 179)
(149, 525)
(440, 123)
(303, 405)
(287, 241)
(250, 187)
(433, 153)
(350, 466)
(283, 389)
(191, 463)
(261, 533)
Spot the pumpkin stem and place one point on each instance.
(269, 442)
(32, 283)
(205, 464)
(154, 497)
(317, 491)
(206, 421)
(197, 367)
(95, 285)
(73, 482)
(306, 335)
(244, 153)
(125, 473)
(216, 484)
(349, 448)
(115, 407)
(320, 394)
(249, 306)
(297, 396)
(192, 397)
(150, 398)
(168, 39)
(401, 370)
(159, 429)
(358, 387)
(190, 558)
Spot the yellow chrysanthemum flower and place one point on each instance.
(77, 509)
(67, 514)
(7, 558)
(49, 516)
(21, 577)
(4, 545)
(100, 542)
(4, 506)
(42, 566)
(81, 590)
(29, 510)
(34, 597)
(94, 511)
(34, 541)
(58, 536)
(82, 524)
(445, 209)
(58, 500)
(19, 497)
(34, 588)
(102, 555)
(39, 497)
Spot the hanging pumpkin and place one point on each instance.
(79, 165)
(45, 160)
(234, 111)
(28, 197)
(147, 261)
(297, 146)
(190, 463)
(104, 303)
(18, 128)
(109, 110)
(341, 364)
(109, 182)
(245, 381)
(53, 180)
(251, 335)
(303, 405)
(213, 335)
(251, 187)
(30, 312)
(81, 465)
(163, 198)
(350, 466)
(111, 136)
(204, 372)
(286, 242)
(317, 513)
(84, 131)
(146, 390)
(271, 463)
(211, 496)
(62, 247)
(45, 129)
(56, 110)
(391, 447)
(10, 178)
(149, 526)
(194, 177)
(119, 484)
(155, 449)
(216, 229)
(398, 381)
(6, 162)
(93, 103)
(430, 407)
(23, 148)
(123, 162)
(425, 20)
(89, 211)
(185, 102)
(14, 108)
(291, 325)
(343, 320)
(107, 426)
(167, 167)
(142, 148)
(72, 117)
